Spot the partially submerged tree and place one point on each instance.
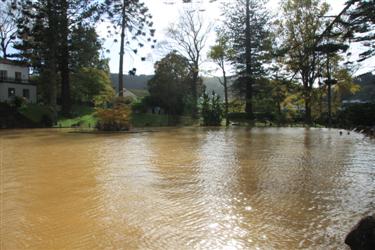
(212, 112)
(169, 88)
(188, 37)
(300, 27)
(221, 53)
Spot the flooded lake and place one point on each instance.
(190, 188)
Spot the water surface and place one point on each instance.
(185, 188)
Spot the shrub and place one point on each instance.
(140, 106)
(18, 101)
(212, 111)
(116, 118)
(357, 115)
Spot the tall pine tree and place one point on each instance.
(45, 30)
(132, 20)
(247, 25)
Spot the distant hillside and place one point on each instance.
(138, 85)
(367, 91)
(139, 82)
(213, 84)
(132, 82)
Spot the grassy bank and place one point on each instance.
(84, 117)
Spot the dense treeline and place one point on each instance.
(293, 67)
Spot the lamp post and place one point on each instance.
(329, 83)
(330, 49)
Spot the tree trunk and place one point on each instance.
(50, 72)
(4, 49)
(64, 60)
(122, 44)
(226, 98)
(249, 78)
(194, 89)
(195, 92)
(329, 94)
(308, 119)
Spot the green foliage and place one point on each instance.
(49, 43)
(212, 111)
(40, 114)
(299, 29)
(170, 86)
(91, 85)
(116, 118)
(82, 116)
(85, 47)
(247, 27)
(221, 53)
(258, 43)
(188, 37)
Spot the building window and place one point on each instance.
(11, 92)
(3, 74)
(26, 93)
(18, 76)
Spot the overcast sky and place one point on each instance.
(164, 13)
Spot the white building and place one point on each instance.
(14, 81)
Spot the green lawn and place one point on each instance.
(83, 116)
(85, 121)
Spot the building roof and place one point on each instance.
(130, 94)
(13, 62)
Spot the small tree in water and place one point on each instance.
(212, 111)
(116, 118)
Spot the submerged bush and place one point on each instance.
(212, 111)
(116, 118)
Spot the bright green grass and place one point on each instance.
(83, 116)
(85, 121)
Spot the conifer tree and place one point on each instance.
(132, 19)
(247, 27)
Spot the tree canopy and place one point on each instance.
(170, 86)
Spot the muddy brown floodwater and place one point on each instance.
(189, 188)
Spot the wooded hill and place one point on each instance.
(138, 85)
